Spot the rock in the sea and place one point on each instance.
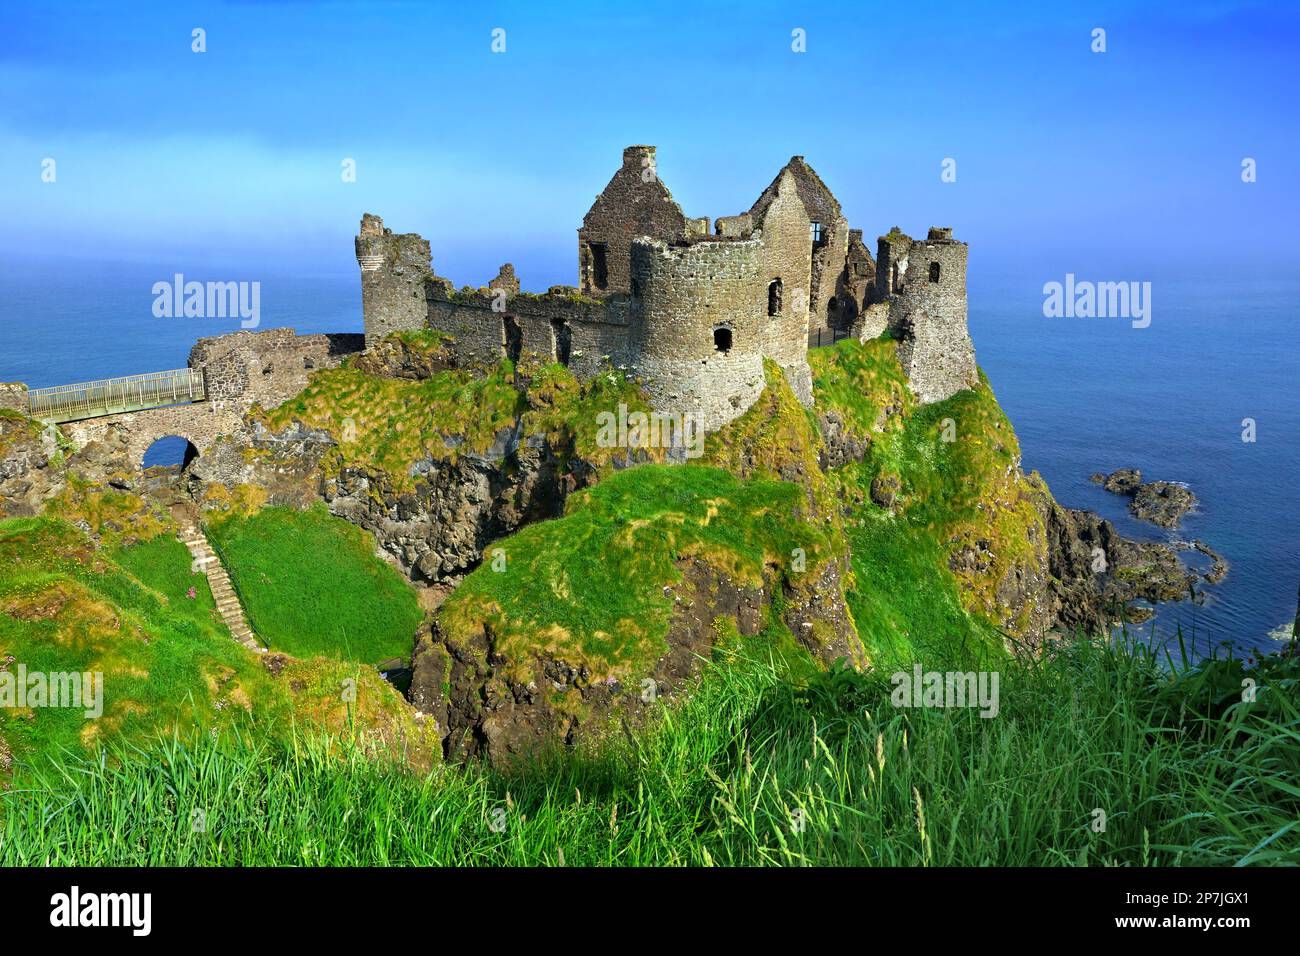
(1160, 502)
(1124, 481)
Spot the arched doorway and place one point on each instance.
(170, 451)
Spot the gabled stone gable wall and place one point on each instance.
(787, 255)
(635, 203)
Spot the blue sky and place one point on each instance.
(1065, 158)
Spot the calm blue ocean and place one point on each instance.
(1084, 395)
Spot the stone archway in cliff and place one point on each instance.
(170, 451)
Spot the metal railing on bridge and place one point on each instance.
(826, 337)
(113, 396)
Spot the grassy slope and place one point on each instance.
(312, 585)
(121, 607)
(908, 603)
(589, 587)
(1184, 776)
(1184, 773)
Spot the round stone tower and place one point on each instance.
(697, 336)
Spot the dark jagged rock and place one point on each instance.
(1219, 569)
(1124, 481)
(488, 705)
(1160, 502)
(1097, 574)
(1163, 503)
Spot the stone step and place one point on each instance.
(223, 592)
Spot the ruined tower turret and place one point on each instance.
(698, 337)
(393, 273)
(924, 282)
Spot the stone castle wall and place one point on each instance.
(787, 259)
(689, 294)
(487, 325)
(654, 289)
(239, 370)
(394, 269)
(13, 396)
(927, 311)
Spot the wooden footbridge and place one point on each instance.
(116, 396)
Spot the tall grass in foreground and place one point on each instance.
(750, 770)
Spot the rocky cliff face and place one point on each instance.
(1096, 573)
(30, 460)
(437, 526)
(490, 704)
(1020, 561)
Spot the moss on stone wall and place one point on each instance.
(388, 424)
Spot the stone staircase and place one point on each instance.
(223, 592)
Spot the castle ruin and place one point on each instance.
(690, 311)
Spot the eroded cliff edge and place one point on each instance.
(567, 587)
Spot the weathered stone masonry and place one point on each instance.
(692, 314)
(239, 370)
(926, 288)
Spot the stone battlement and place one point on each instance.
(693, 313)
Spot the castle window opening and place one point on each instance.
(512, 337)
(722, 339)
(562, 339)
(599, 264)
(774, 296)
(934, 272)
(895, 278)
(832, 307)
(816, 233)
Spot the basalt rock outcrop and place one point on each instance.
(488, 704)
(439, 530)
(1161, 502)
(1097, 573)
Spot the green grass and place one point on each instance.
(589, 587)
(1184, 774)
(312, 585)
(959, 487)
(68, 604)
(124, 613)
(388, 425)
